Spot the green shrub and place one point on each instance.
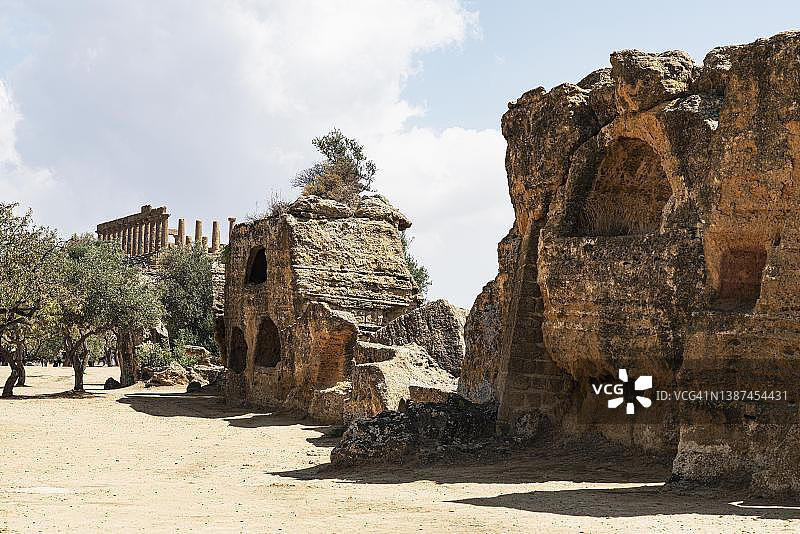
(154, 355)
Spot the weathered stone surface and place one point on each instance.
(437, 326)
(381, 385)
(301, 288)
(424, 428)
(378, 208)
(202, 354)
(644, 80)
(657, 226)
(482, 341)
(172, 375)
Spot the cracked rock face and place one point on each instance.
(437, 326)
(301, 288)
(657, 227)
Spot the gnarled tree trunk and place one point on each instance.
(20, 355)
(127, 359)
(11, 360)
(79, 360)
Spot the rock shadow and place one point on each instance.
(515, 467)
(635, 502)
(176, 404)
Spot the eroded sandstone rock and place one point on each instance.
(438, 327)
(657, 226)
(302, 288)
(173, 375)
(382, 384)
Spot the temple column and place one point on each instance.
(231, 222)
(181, 232)
(156, 233)
(150, 232)
(198, 231)
(125, 240)
(133, 231)
(205, 243)
(148, 237)
(215, 237)
(164, 230)
(139, 239)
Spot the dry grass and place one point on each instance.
(605, 216)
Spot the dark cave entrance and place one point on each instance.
(237, 355)
(268, 344)
(257, 266)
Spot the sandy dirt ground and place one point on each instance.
(159, 460)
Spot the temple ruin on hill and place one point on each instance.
(657, 231)
(148, 231)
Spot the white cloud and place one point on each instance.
(453, 187)
(18, 182)
(206, 106)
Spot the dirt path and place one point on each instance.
(138, 460)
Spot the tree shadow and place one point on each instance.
(634, 502)
(69, 394)
(510, 467)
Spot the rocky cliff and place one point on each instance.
(657, 230)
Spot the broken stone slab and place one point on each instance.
(438, 327)
(314, 207)
(383, 385)
(378, 207)
(173, 375)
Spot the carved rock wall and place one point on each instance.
(300, 289)
(657, 224)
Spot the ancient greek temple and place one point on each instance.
(147, 232)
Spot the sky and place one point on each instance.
(208, 107)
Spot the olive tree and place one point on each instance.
(343, 175)
(187, 295)
(100, 293)
(29, 263)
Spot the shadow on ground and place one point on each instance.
(69, 394)
(176, 404)
(633, 502)
(515, 467)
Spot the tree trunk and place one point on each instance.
(21, 379)
(20, 357)
(78, 369)
(79, 360)
(127, 359)
(8, 389)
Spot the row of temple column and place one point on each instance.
(181, 238)
(140, 238)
